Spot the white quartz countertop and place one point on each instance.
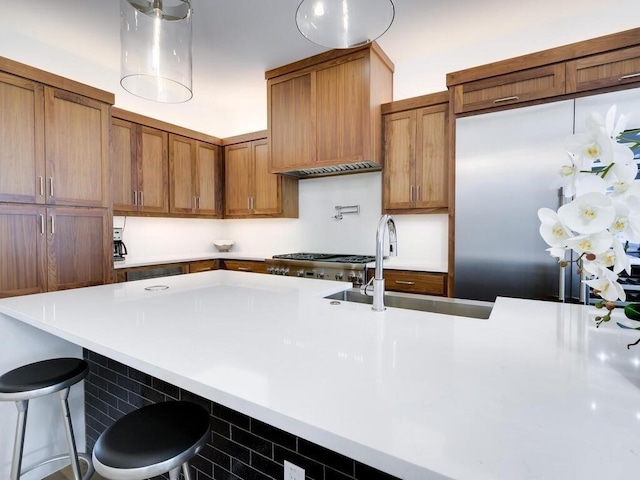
(535, 392)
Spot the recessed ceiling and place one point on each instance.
(236, 41)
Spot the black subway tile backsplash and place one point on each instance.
(241, 447)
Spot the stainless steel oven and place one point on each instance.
(329, 266)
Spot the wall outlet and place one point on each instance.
(293, 472)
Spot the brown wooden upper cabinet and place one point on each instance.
(325, 110)
(250, 189)
(610, 62)
(54, 143)
(611, 69)
(53, 248)
(140, 163)
(512, 88)
(416, 173)
(194, 177)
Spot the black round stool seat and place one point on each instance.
(42, 378)
(152, 440)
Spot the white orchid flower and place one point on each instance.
(606, 286)
(552, 230)
(621, 260)
(612, 127)
(627, 221)
(572, 172)
(588, 213)
(596, 243)
(624, 175)
(589, 183)
(614, 259)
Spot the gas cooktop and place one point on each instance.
(326, 257)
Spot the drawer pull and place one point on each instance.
(506, 99)
(404, 282)
(244, 269)
(631, 75)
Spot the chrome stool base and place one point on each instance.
(37, 380)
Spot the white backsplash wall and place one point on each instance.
(420, 237)
(158, 237)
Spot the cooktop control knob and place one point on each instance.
(339, 276)
(300, 273)
(270, 270)
(320, 274)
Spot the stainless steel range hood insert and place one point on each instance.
(345, 168)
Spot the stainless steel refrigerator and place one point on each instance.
(506, 169)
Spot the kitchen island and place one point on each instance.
(534, 392)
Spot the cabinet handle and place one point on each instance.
(198, 202)
(141, 193)
(248, 203)
(506, 99)
(404, 282)
(53, 224)
(626, 77)
(41, 224)
(244, 269)
(411, 194)
(51, 187)
(135, 198)
(41, 185)
(253, 203)
(418, 193)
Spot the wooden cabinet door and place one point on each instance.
(203, 266)
(124, 165)
(431, 159)
(77, 150)
(511, 88)
(252, 266)
(341, 112)
(182, 190)
(21, 140)
(291, 121)
(619, 67)
(152, 170)
(79, 250)
(22, 250)
(238, 179)
(266, 196)
(206, 178)
(399, 151)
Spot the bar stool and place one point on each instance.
(37, 380)
(152, 440)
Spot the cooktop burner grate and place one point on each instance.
(326, 257)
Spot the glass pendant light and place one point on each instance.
(155, 37)
(344, 23)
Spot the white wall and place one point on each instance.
(420, 237)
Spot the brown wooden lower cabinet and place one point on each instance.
(53, 248)
(203, 266)
(410, 281)
(253, 266)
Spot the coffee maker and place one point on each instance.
(119, 248)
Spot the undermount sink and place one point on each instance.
(422, 303)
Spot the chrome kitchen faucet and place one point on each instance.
(386, 222)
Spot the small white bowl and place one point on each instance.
(223, 245)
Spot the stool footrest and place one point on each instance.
(81, 456)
